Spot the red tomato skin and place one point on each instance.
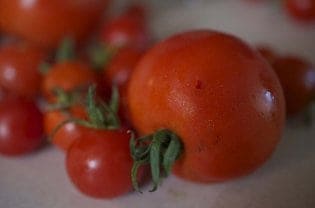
(118, 73)
(47, 22)
(128, 29)
(215, 92)
(21, 126)
(67, 134)
(19, 69)
(297, 78)
(99, 163)
(302, 10)
(67, 76)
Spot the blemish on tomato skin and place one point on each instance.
(198, 85)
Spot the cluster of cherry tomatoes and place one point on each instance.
(83, 82)
(300, 10)
(47, 72)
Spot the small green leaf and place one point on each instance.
(95, 114)
(171, 154)
(155, 161)
(44, 67)
(114, 101)
(66, 50)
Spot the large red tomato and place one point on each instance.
(218, 95)
(47, 22)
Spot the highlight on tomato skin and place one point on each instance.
(19, 68)
(47, 22)
(21, 126)
(297, 77)
(99, 163)
(218, 95)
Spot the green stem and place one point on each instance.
(159, 150)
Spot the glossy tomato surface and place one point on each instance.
(21, 126)
(297, 78)
(215, 92)
(47, 22)
(19, 69)
(303, 10)
(99, 163)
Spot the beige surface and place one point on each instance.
(285, 181)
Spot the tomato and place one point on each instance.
(128, 29)
(303, 10)
(19, 69)
(68, 133)
(297, 78)
(217, 95)
(121, 65)
(119, 70)
(68, 76)
(99, 163)
(47, 22)
(21, 129)
(267, 53)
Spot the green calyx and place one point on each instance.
(100, 115)
(159, 150)
(100, 55)
(66, 99)
(66, 50)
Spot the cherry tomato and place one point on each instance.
(297, 78)
(218, 95)
(21, 129)
(68, 76)
(303, 10)
(46, 22)
(128, 29)
(68, 133)
(118, 72)
(19, 69)
(99, 163)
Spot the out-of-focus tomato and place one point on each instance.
(69, 75)
(297, 78)
(128, 29)
(19, 69)
(47, 22)
(303, 10)
(21, 126)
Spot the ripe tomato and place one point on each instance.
(99, 163)
(47, 22)
(121, 65)
(68, 133)
(218, 95)
(118, 72)
(21, 128)
(128, 29)
(303, 10)
(297, 78)
(19, 69)
(68, 76)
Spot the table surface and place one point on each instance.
(286, 180)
